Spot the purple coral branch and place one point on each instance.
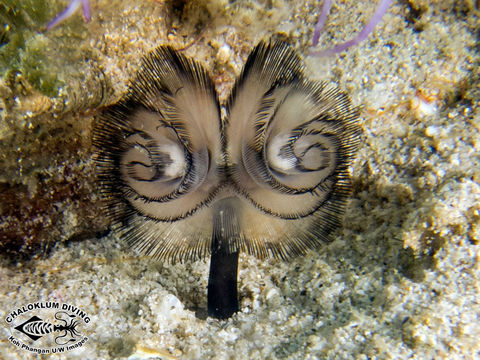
(362, 35)
(321, 21)
(69, 10)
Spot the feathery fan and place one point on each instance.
(271, 179)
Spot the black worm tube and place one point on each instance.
(222, 297)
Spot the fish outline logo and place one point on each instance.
(35, 328)
(47, 327)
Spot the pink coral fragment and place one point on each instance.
(69, 10)
(362, 35)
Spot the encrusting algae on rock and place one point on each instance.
(46, 78)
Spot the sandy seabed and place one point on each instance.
(400, 280)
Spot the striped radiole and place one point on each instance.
(270, 178)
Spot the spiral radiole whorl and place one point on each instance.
(159, 154)
(296, 136)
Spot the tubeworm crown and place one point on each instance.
(271, 179)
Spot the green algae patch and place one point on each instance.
(37, 55)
